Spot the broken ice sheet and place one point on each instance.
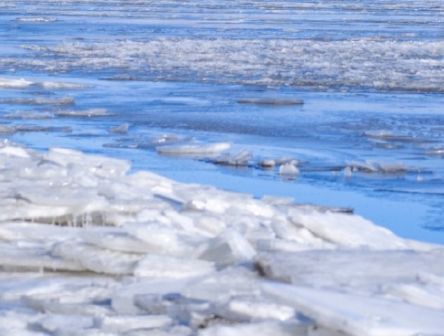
(156, 256)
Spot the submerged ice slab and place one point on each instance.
(99, 250)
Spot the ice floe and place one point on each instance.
(121, 129)
(239, 159)
(435, 152)
(22, 83)
(88, 248)
(93, 112)
(32, 128)
(49, 85)
(14, 83)
(193, 149)
(372, 167)
(35, 19)
(39, 101)
(289, 169)
(271, 101)
(28, 115)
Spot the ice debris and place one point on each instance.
(88, 248)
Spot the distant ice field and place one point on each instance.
(338, 103)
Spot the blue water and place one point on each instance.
(160, 67)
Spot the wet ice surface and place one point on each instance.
(336, 104)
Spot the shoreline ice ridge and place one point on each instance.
(132, 254)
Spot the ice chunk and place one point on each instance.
(65, 324)
(16, 323)
(96, 259)
(268, 163)
(61, 85)
(14, 151)
(370, 167)
(13, 83)
(289, 169)
(253, 309)
(193, 149)
(346, 230)
(34, 258)
(117, 240)
(35, 19)
(359, 314)
(97, 165)
(93, 112)
(359, 270)
(435, 152)
(262, 328)
(229, 247)
(241, 158)
(160, 239)
(136, 297)
(37, 128)
(271, 101)
(224, 285)
(121, 324)
(39, 101)
(28, 115)
(121, 129)
(7, 129)
(158, 266)
(167, 139)
(428, 296)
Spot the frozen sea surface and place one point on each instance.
(334, 109)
